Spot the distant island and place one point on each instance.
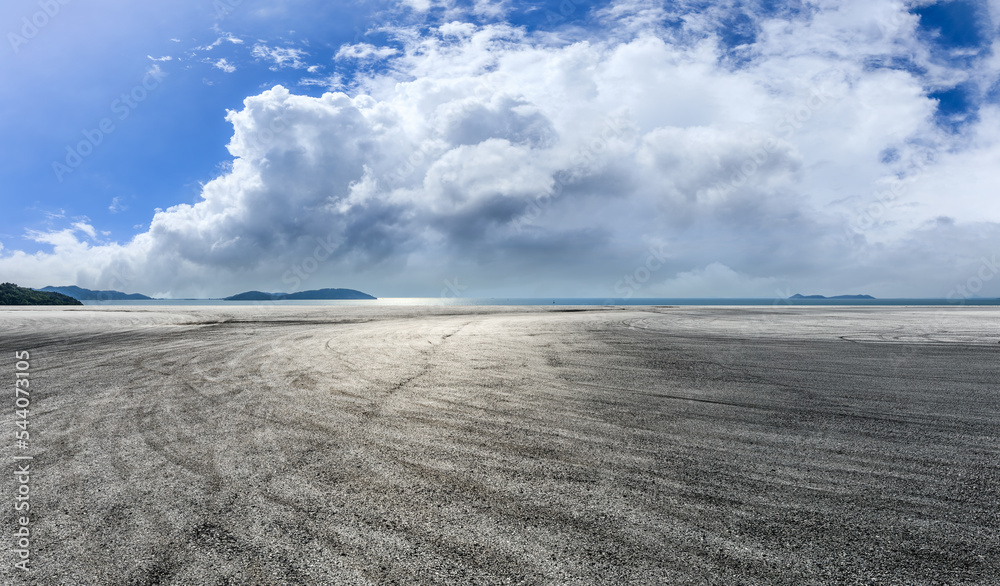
(301, 295)
(81, 294)
(800, 296)
(11, 294)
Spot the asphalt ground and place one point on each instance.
(505, 445)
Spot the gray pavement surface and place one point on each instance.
(507, 445)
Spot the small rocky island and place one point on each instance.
(301, 295)
(800, 296)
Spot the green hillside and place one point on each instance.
(11, 294)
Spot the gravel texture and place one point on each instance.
(507, 445)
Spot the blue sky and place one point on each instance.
(437, 147)
(90, 53)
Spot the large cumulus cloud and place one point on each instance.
(532, 164)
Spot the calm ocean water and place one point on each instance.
(565, 301)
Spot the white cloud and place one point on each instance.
(224, 38)
(529, 166)
(156, 72)
(117, 205)
(280, 57)
(714, 280)
(85, 228)
(224, 65)
(488, 9)
(419, 5)
(331, 83)
(365, 51)
(164, 58)
(457, 29)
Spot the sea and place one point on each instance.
(571, 301)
